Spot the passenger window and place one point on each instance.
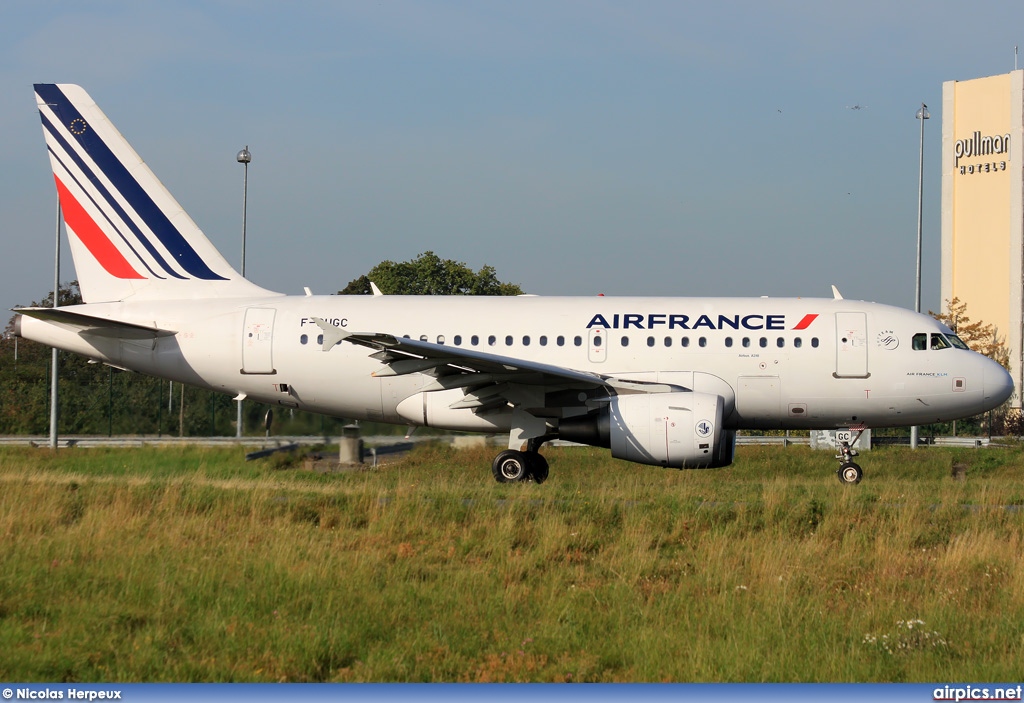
(939, 342)
(457, 340)
(728, 341)
(919, 342)
(543, 340)
(440, 339)
(474, 340)
(668, 341)
(560, 341)
(508, 340)
(625, 341)
(491, 340)
(797, 342)
(526, 340)
(423, 337)
(597, 340)
(814, 342)
(780, 342)
(578, 341)
(746, 341)
(685, 341)
(763, 342)
(703, 341)
(304, 339)
(320, 339)
(650, 341)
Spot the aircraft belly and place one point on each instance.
(877, 407)
(758, 400)
(339, 384)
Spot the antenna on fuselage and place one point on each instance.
(836, 294)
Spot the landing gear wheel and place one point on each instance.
(850, 474)
(538, 466)
(510, 466)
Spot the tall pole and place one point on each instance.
(53, 361)
(243, 157)
(922, 115)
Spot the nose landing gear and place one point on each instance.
(849, 472)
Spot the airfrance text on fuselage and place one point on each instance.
(652, 321)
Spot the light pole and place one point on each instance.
(922, 115)
(244, 157)
(53, 361)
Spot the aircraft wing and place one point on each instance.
(98, 326)
(459, 367)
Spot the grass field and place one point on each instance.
(189, 564)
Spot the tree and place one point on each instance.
(357, 286)
(984, 339)
(979, 336)
(429, 274)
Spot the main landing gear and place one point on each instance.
(849, 472)
(511, 465)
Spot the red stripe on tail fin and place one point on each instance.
(90, 234)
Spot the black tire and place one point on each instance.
(510, 466)
(850, 474)
(538, 466)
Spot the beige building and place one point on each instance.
(983, 206)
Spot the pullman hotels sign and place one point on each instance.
(996, 148)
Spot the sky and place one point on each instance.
(643, 148)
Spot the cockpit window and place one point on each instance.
(956, 341)
(940, 342)
(920, 341)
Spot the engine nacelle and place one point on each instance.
(679, 430)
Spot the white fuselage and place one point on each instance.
(778, 363)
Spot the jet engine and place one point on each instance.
(678, 430)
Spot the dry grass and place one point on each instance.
(190, 565)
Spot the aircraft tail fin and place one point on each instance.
(129, 237)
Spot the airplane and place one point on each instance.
(657, 380)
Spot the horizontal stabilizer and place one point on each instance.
(98, 326)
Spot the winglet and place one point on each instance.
(332, 333)
(836, 294)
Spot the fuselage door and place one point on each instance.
(258, 341)
(851, 345)
(597, 350)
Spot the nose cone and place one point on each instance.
(998, 385)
